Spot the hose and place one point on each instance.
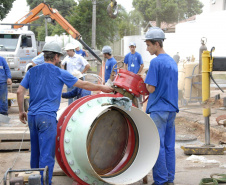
(211, 76)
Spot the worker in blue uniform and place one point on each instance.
(45, 83)
(133, 60)
(77, 92)
(161, 82)
(81, 52)
(5, 78)
(110, 63)
(38, 59)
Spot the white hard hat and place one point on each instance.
(107, 49)
(154, 33)
(77, 74)
(132, 44)
(69, 46)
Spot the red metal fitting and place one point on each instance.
(131, 82)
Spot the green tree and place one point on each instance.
(167, 10)
(5, 7)
(63, 6)
(106, 27)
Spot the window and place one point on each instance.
(8, 42)
(26, 41)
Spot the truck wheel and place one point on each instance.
(29, 68)
(26, 104)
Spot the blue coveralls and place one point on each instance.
(39, 59)
(162, 107)
(76, 93)
(133, 61)
(45, 83)
(80, 52)
(4, 75)
(108, 68)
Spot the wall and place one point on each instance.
(211, 25)
(187, 39)
(217, 6)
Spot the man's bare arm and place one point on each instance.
(20, 99)
(150, 88)
(93, 87)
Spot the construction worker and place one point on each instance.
(74, 62)
(38, 59)
(107, 51)
(80, 52)
(5, 78)
(161, 82)
(45, 83)
(76, 93)
(133, 61)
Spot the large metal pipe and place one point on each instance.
(99, 143)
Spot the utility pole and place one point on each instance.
(46, 28)
(93, 45)
(158, 5)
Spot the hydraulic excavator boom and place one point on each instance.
(53, 15)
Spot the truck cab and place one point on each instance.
(18, 47)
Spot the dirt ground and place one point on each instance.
(189, 122)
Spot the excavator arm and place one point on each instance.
(54, 15)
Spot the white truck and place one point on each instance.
(18, 47)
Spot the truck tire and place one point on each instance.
(26, 104)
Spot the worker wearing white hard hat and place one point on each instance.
(161, 82)
(133, 61)
(74, 62)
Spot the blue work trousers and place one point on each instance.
(3, 98)
(71, 99)
(164, 168)
(43, 131)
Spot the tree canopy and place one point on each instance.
(81, 20)
(63, 6)
(167, 10)
(5, 7)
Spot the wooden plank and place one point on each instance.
(58, 172)
(14, 135)
(13, 96)
(13, 128)
(15, 145)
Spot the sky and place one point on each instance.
(20, 9)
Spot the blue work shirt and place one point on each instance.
(108, 68)
(163, 74)
(4, 70)
(39, 59)
(80, 52)
(133, 61)
(76, 92)
(45, 83)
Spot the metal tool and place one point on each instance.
(45, 174)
